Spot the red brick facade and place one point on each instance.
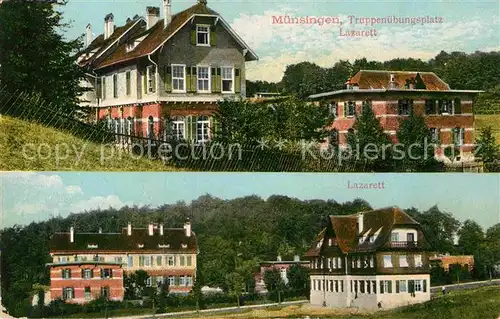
(82, 289)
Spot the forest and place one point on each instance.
(233, 236)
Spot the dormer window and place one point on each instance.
(330, 242)
(140, 245)
(372, 238)
(318, 246)
(130, 47)
(92, 246)
(184, 245)
(203, 35)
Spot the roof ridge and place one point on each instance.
(396, 71)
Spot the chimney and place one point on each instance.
(392, 82)
(161, 229)
(150, 229)
(71, 234)
(88, 35)
(296, 258)
(360, 223)
(152, 16)
(279, 258)
(187, 228)
(167, 12)
(108, 25)
(129, 229)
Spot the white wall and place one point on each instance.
(403, 233)
(123, 98)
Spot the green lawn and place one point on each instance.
(482, 121)
(26, 146)
(482, 303)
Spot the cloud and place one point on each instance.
(73, 189)
(98, 202)
(30, 209)
(279, 45)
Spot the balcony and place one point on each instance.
(404, 244)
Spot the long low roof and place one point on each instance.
(359, 91)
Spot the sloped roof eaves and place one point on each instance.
(314, 250)
(379, 79)
(345, 232)
(123, 242)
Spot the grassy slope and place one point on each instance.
(15, 133)
(482, 303)
(481, 121)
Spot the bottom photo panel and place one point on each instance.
(249, 245)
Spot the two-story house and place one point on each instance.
(164, 77)
(393, 95)
(166, 254)
(373, 259)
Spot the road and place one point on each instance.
(465, 285)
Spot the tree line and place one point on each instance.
(255, 230)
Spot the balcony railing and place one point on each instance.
(404, 244)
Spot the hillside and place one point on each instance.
(32, 147)
(483, 121)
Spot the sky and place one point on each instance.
(31, 197)
(465, 26)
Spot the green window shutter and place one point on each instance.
(425, 285)
(188, 79)
(193, 79)
(457, 106)
(381, 286)
(212, 36)
(389, 290)
(194, 120)
(397, 286)
(193, 35)
(168, 78)
(213, 79)
(215, 127)
(176, 281)
(218, 78)
(237, 81)
(440, 107)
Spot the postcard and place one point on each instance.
(199, 245)
(301, 86)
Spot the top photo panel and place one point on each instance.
(270, 86)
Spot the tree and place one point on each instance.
(298, 279)
(304, 79)
(415, 142)
(274, 283)
(486, 146)
(368, 143)
(470, 236)
(44, 64)
(236, 285)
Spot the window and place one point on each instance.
(458, 136)
(182, 261)
(147, 261)
(388, 286)
(87, 293)
(350, 109)
(403, 262)
(87, 274)
(119, 260)
(106, 273)
(178, 128)
(339, 262)
(202, 35)
(178, 78)
(68, 293)
(227, 80)
(395, 237)
(405, 107)
(171, 280)
(105, 292)
(182, 281)
(418, 285)
(457, 106)
(189, 260)
(128, 83)
(418, 261)
(203, 76)
(115, 86)
(151, 79)
(430, 107)
(66, 273)
(158, 260)
(374, 286)
(434, 135)
(189, 281)
(151, 127)
(403, 287)
(372, 238)
(358, 262)
(103, 87)
(445, 106)
(130, 261)
(333, 108)
(202, 127)
(171, 260)
(372, 262)
(63, 259)
(387, 261)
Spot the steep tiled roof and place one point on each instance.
(121, 242)
(377, 79)
(379, 222)
(101, 44)
(155, 36)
